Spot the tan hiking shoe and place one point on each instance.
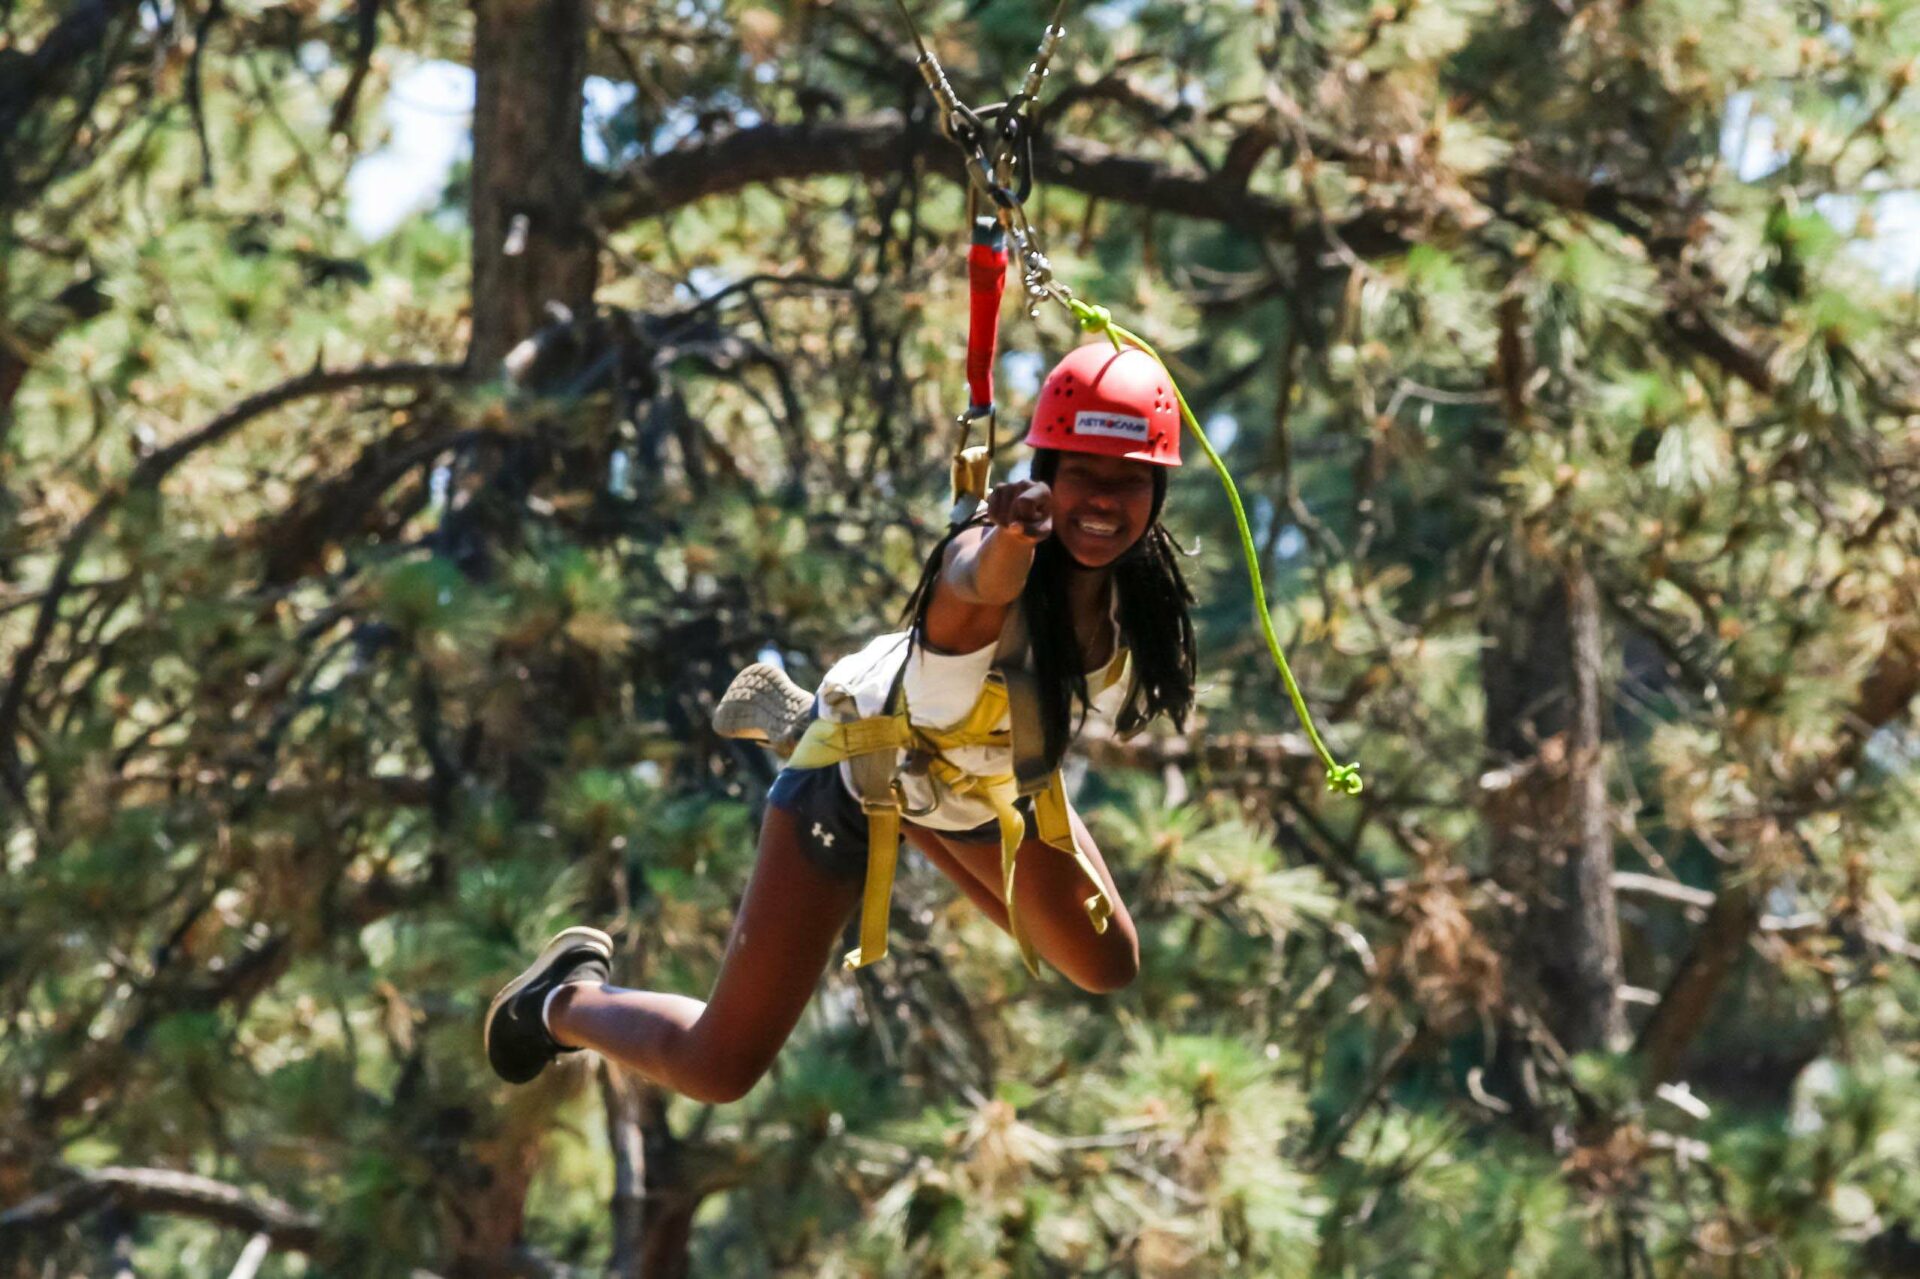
(763, 705)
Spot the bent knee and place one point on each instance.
(717, 1089)
(719, 1082)
(1105, 981)
(1108, 972)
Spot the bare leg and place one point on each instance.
(1051, 892)
(981, 893)
(789, 923)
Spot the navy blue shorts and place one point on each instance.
(833, 829)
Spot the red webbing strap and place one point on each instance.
(986, 283)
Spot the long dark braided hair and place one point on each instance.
(1154, 622)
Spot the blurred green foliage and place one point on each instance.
(274, 835)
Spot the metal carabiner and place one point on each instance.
(914, 786)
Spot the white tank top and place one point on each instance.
(941, 688)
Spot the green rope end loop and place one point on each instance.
(1094, 319)
(1345, 778)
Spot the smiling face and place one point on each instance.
(1101, 506)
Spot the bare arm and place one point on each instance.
(986, 568)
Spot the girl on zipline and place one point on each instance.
(1064, 597)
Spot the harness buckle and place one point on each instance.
(914, 786)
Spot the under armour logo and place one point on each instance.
(822, 834)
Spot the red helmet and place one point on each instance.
(1116, 403)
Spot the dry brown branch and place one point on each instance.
(1698, 901)
(1735, 915)
(160, 1190)
(878, 145)
(181, 1194)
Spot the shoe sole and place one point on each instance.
(562, 942)
(763, 705)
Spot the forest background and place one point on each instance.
(341, 661)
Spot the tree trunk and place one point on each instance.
(530, 240)
(667, 1221)
(530, 247)
(1552, 846)
(1540, 669)
(485, 1225)
(618, 1094)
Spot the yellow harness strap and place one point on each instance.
(880, 738)
(831, 741)
(872, 745)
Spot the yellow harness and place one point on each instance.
(871, 746)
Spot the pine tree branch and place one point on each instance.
(181, 1194)
(1736, 913)
(28, 78)
(1417, 1038)
(296, 539)
(93, 1069)
(879, 145)
(160, 1190)
(147, 476)
(1267, 755)
(366, 23)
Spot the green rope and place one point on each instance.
(1097, 319)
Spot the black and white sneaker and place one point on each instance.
(516, 1037)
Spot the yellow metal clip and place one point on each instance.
(972, 468)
